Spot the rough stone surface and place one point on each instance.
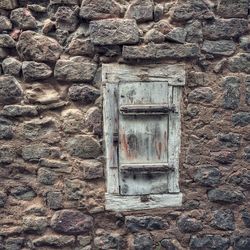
(93, 120)
(189, 225)
(7, 41)
(8, 4)
(201, 95)
(231, 92)
(11, 66)
(241, 119)
(222, 47)
(239, 63)
(33, 224)
(25, 193)
(5, 23)
(143, 242)
(109, 241)
(80, 47)
(54, 200)
(230, 8)
(54, 241)
(245, 43)
(19, 110)
(3, 198)
(246, 218)
(223, 220)
(242, 243)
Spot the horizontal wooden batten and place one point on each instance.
(146, 109)
(147, 168)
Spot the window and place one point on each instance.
(142, 133)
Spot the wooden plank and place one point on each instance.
(146, 167)
(128, 203)
(170, 74)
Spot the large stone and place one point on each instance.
(247, 85)
(221, 48)
(245, 43)
(83, 93)
(109, 241)
(7, 154)
(201, 95)
(25, 193)
(83, 146)
(80, 47)
(11, 66)
(72, 121)
(225, 29)
(14, 243)
(143, 242)
(140, 10)
(23, 19)
(75, 70)
(41, 48)
(209, 242)
(100, 9)
(245, 215)
(241, 119)
(93, 120)
(208, 176)
(154, 36)
(226, 195)
(240, 63)
(194, 32)
(114, 31)
(71, 222)
(10, 90)
(92, 169)
(223, 220)
(158, 51)
(232, 8)
(6, 130)
(74, 189)
(32, 224)
(35, 71)
(6, 41)
(177, 35)
(230, 140)
(189, 225)
(54, 200)
(242, 243)
(8, 4)
(54, 241)
(224, 157)
(5, 23)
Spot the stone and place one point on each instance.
(35, 71)
(241, 119)
(11, 66)
(54, 200)
(72, 121)
(220, 48)
(66, 2)
(6, 130)
(3, 198)
(54, 241)
(158, 51)
(226, 195)
(54, 164)
(231, 8)
(194, 32)
(224, 157)
(92, 169)
(245, 215)
(242, 243)
(75, 71)
(69, 221)
(189, 225)
(66, 18)
(14, 243)
(25, 193)
(100, 9)
(209, 242)
(114, 31)
(223, 220)
(8, 4)
(23, 19)
(231, 92)
(84, 240)
(41, 48)
(37, 8)
(201, 95)
(93, 120)
(19, 110)
(245, 43)
(168, 244)
(3, 54)
(74, 189)
(80, 47)
(230, 140)
(154, 36)
(5, 24)
(225, 29)
(83, 146)
(109, 241)
(208, 176)
(140, 10)
(46, 176)
(32, 224)
(7, 154)
(247, 154)
(247, 84)
(62, 36)
(240, 63)
(48, 26)
(143, 242)
(136, 223)
(177, 35)
(158, 12)
(83, 93)
(6, 41)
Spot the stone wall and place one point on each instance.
(52, 180)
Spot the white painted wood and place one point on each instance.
(170, 74)
(128, 203)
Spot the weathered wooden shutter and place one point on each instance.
(142, 128)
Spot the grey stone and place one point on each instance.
(8, 4)
(143, 242)
(136, 223)
(71, 222)
(245, 180)
(46, 176)
(226, 195)
(225, 29)
(158, 51)
(41, 48)
(231, 92)
(240, 63)
(189, 225)
(72, 121)
(100, 9)
(220, 48)
(224, 157)
(54, 200)
(194, 32)
(3, 54)
(223, 220)
(209, 242)
(80, 47)
(241, 119)
(140, 10)
(114, 31)
(196, 79)
(5, 23)
(109, 241)
(245, 215)
(32, 224)
(14, 243)
(93, 120)
(154, 36)
(177, 35)
(75, 71)
(208, 176)
(25, 193)
(201, 95)
(74, 189)
(6, 41)
(7, 154)
(93, 169)
(247, 154)
(242, 243)
(19, 110)
(245, 43)
(66, 18)
(6, 130)
(62, 36)
(3, 198)
(247, 85)
(11, 66)
(168, 244)
(54, 241)
(54, 164)
(84, 240)
(23, 19)
(37, 8)
(231, 8)
(83, 146)
(35, 71)
(158, 12)
(83, 93)
(66, 2)
(230, 140)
